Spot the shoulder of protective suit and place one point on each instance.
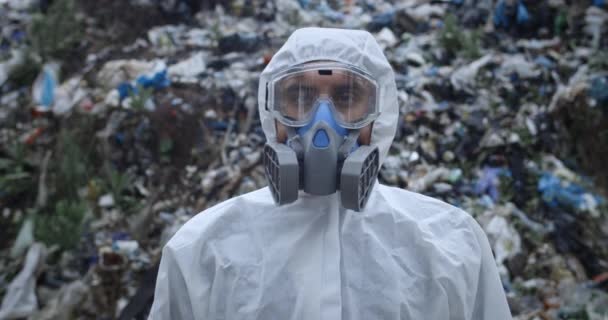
(437, 221)
(198, 227)
(418, 205)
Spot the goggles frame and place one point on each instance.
(321, 67)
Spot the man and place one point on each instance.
(326, 240)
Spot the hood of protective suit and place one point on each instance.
(354, 47)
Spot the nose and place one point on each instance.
(323, 113)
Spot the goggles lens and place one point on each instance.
(297, 93)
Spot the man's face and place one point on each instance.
(349, 95)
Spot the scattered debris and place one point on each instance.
(120, 122)
(20, 298)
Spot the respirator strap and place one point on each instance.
(294, 140)
(348, 144)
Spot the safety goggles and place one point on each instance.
(296, 93)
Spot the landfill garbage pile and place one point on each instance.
(120, 121)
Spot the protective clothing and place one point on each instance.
(404, 256)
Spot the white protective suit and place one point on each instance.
(405, 256)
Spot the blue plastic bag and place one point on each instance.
(157, 81)
(501, 20)
(489, 182)
(560, 194)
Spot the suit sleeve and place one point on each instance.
(171, 298)
(490, 299)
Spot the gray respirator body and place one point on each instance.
(321, 160)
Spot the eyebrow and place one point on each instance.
(357, 87)
(296, 86)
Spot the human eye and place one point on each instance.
(292, 92)
(345, 94)
(306, 94)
